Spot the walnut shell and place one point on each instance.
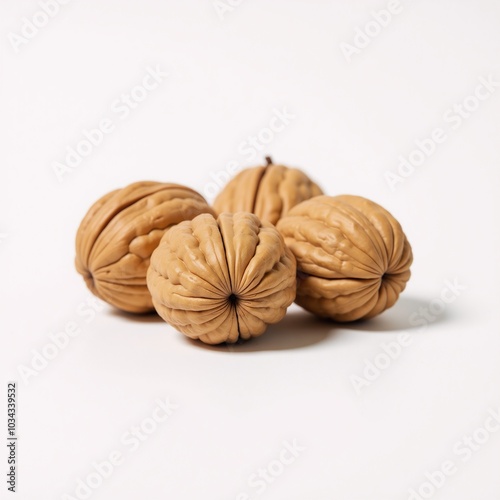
(222, 280)
(353, 258)
(268, 191)
(118, 234)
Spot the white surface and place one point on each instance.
(237, 405)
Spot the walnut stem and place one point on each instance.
(269, 161)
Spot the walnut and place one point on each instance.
(116, 238)
(268, 191)
(353, 258)
(222, 280)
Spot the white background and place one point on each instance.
(238, 405)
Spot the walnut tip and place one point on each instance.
(269, 161)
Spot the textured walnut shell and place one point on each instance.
(222, 280)
(353, 258)
(116, 238)
(267, 191)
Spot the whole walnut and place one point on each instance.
(116, 238)
(222, 280)
(268, 191)
(353, 258)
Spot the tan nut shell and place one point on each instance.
(353, 258)
(221, 280)
(118, 234)
(267, 191)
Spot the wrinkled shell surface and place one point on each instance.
(268, 191)
(221, 280)
(353, 258)
(116, 238)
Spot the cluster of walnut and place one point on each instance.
(223, 274)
